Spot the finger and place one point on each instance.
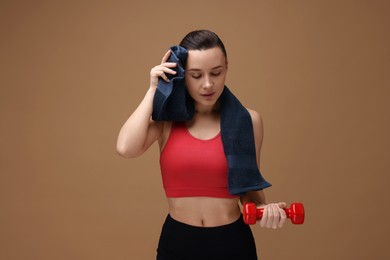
(270, 219)
(156, 73)
(160, 72)
(169, 64)
(166, 56)
(264, 218)
(163, 76)
(282, 205)
(276, 214)
(168, 70)
(283, 217)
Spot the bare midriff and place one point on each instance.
(204, 211)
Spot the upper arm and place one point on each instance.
(155, 130)
(258, 130)
(257, 196)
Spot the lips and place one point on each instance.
(207, 94)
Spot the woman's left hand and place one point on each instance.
(274, 215)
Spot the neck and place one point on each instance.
(206, 110)
(205, 117)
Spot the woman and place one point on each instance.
(203, 223)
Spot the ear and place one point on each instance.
(227, 63)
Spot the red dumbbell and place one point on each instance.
(251, 214)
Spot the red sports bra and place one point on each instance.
(191, 167)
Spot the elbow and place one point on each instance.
(126, 152)
(122, 151)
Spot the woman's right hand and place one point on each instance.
(274, 215)
(160, 70)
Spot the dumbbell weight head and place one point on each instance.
(297, 213)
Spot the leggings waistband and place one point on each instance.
(174, 222)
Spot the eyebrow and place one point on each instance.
(217, 67)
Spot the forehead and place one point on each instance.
(205, 59)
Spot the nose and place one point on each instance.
(208, 83)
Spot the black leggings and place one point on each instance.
(180, 241)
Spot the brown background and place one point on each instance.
(73, 71)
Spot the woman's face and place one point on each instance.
(205, 76)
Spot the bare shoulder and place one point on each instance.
(257, 120)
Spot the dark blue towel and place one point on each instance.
(173, 103)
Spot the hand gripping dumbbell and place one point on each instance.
(251, 214)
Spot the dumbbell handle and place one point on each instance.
(296, 213)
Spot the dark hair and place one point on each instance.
(202, 40)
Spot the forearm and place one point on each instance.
(134, 133)
(257, 197)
